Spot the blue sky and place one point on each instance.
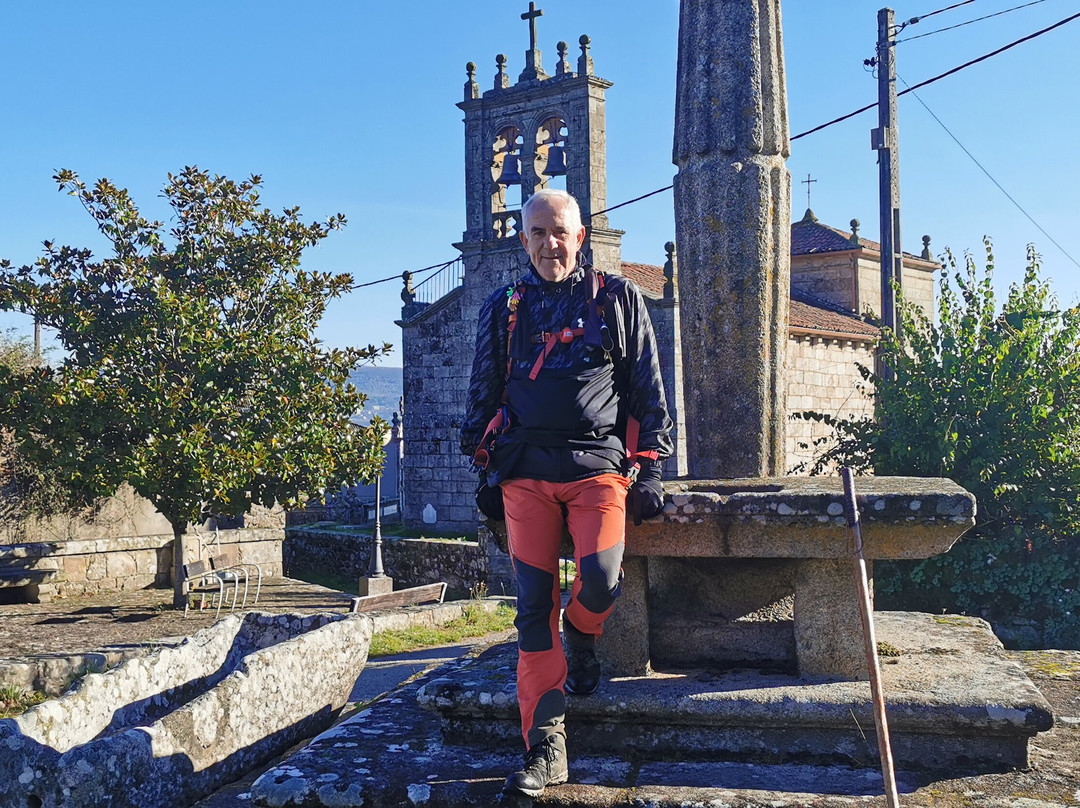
(349, 107)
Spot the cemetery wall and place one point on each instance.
(410, 562)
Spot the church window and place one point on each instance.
(551, 154)
(506, 182)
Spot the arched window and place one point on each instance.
(551, 162)
(506, 182)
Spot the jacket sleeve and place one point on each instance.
(644, 386)
(488, 378)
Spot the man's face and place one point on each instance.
(552, 237)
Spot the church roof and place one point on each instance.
(809, 236)
(810, 314)
(648, 277)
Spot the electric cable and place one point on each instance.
(990, 176)
(910, 89)
(941, 11)
(984, 57)
(969, 22)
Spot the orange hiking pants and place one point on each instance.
(595, 513)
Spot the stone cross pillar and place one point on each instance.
(732, 226)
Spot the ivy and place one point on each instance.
(988, 396)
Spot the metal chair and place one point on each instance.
(201, 582)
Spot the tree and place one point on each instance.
(191, 370)
(990, 399)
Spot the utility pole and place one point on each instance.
(885, 141)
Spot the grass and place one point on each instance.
(476, 622)
(15, 701)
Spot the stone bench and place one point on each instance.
(760, 572)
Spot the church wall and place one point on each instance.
(664, 314)
(822, 377)
(825, 275)
(437, 355)
(919, 289)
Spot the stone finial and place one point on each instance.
(854, 233)
(584, 62)
(925, 255)
(395, 426)
(408, 294)
(472, 89)
(502, 81)
(808, 217)
(670, 270)
(562, 67)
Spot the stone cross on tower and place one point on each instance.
(534, 68)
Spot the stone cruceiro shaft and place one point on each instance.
(732, 223)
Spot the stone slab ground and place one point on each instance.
(393, 754)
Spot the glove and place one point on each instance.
(489, 499)
(646, 496)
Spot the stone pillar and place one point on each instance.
(732, 225)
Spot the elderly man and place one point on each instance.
(565, 375)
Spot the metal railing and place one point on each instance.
(436, 286)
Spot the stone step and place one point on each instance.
(17, 577)
(9, 552)
(950, 688)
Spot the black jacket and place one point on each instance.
(570, 422)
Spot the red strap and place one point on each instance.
(633, 429)
(480, 456)
(566, 335)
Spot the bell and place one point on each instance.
(511, 170)
(556, 162)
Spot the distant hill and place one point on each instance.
(383, 388)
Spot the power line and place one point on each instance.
(983, 58)
(969, 22)
(941, 10)
(990, 176)
(852, 114)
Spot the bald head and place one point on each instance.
(552, 233)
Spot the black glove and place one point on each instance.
(646, 496)
(489, 500)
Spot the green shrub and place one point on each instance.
(991, 399)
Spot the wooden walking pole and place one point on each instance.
(866, 610)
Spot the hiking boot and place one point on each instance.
(545, 765)
(582, 663)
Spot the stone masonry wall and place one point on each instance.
(829, 277)
(664, 314)
(822, 377)
(125, 544)
(410, 562)
(437, 357)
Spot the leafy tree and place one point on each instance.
(991, 399)
(191, 371)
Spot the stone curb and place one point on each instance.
(54, 673)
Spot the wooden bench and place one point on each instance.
(413, 596)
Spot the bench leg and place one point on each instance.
(828, 627)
